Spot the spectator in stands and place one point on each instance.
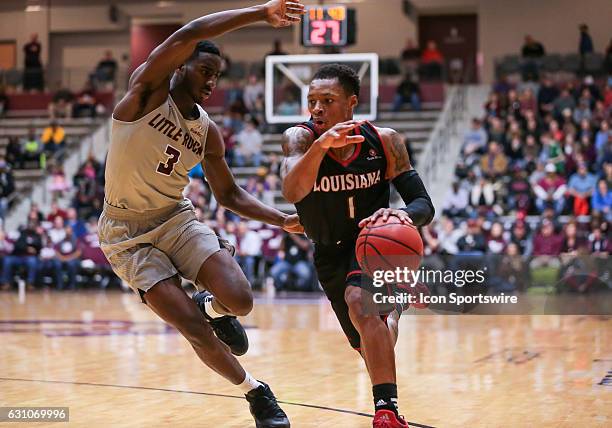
(547, 245)
(473, 242)
(67, 259)
(89, 193)
(25, 253)
(601, 201)
(474, 140)
(7, 186)
(608, 60)
(289, 106)
(456, 201)
(496, 243)
(520, 236)
(58, 231)
(85, 104)
(564, 101)
(249, 145)
(410, 57)
(494, 163)
(6, 245)
(56, 211)
(248, 249)
(547, 94)
(33, 71)
(61, 103)
(532, 51)
(53, 138)
(14, 152)
(106, 70)
(581, 186)
(4, 101)
(589, 85)
(599, 241)
(572, 241)
(432, 61)
(448, 236)
(408, 91)
(252, 90)
(550, 190)
(551, 152)
(35, 214)
(585, 45)
(32, 150)
(519, 191)
(293, 269)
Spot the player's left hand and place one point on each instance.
(292, 224)
(282, 13)
(385, 213)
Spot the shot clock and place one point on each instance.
(328, 26)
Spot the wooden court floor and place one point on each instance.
(109, 359)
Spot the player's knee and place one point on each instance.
(354, 300)
(242, 302)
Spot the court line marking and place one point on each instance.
(210, 394)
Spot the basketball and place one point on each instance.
(386, 245)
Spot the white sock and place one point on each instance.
(210, 311)
(249, 383)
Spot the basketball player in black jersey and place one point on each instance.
(337, 172)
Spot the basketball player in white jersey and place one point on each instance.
(149, 232)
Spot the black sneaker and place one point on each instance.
(265, 409)
(227, 328)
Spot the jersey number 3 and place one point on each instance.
(168, 167)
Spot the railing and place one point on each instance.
(73, 78)
(437, 148)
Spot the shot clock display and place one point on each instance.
(328, 26)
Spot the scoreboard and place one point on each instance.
(328, 26)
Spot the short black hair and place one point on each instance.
(206, 46)
(348, 78)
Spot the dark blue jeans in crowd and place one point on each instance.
(285, 275)
(10, 262)
(58, 268)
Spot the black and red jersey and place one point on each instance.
(346, 191)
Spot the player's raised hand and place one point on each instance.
(337, 136)
(385, 213)
(282, 13)
(292, 224)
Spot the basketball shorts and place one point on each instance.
(337, 268)
(144, 249)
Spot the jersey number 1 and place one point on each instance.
(351, 207)
(168, 167)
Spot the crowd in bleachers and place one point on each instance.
(534, 177)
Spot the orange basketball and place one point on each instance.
(388, 245)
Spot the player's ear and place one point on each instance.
(353, 101)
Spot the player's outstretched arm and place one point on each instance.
(149, 84)
(303, 156)
(232, 196)
(419, 209)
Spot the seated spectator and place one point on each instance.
(57, 232)
(581, 186)
(511, 272)
(85, 104)
(564, 101)
(410, 56)
(408, 91)
(601, 201)
(293, 269)
(519, 191)
(53, 138)
(448, 236)
(252, 90)
(456, 201)
(58, 184)
(572, 241)
(61, 104)
(249, 144)
(551, 152)
(496, 243)
(547, 246)
(6, 245)
(248, 249)
(25, 253)
(14, 152)
(289, 106)
(600, 242)
(32, 150)
(474, 140)
(56, 211)
(432, 61)
(79, 229)
(547, 96)
(550, 190)
(4, 101)
(521, 238)
(494, 163)
(473, 242)
(67, 259)
(583, 111)
(7, 186)
(106, 70)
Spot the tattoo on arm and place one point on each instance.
(296, 142)
(398, 154)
